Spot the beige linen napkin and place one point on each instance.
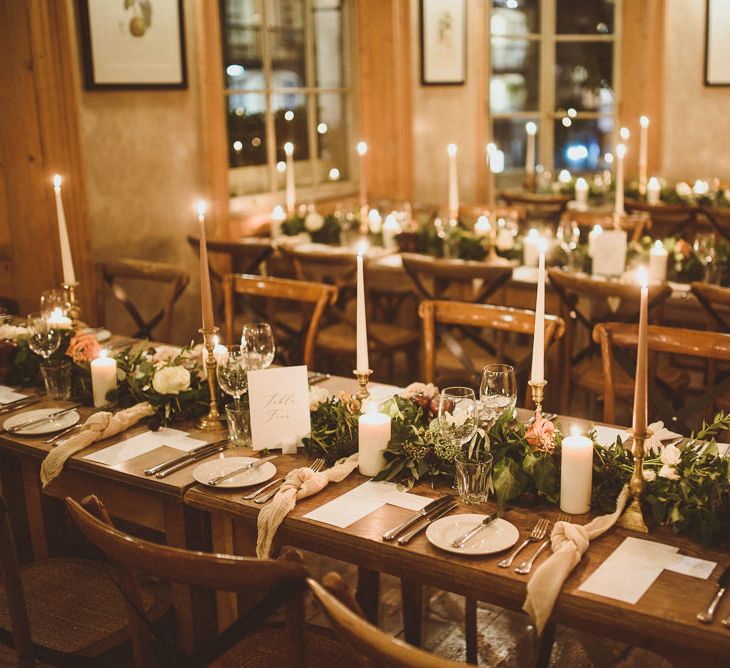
(97, 427)
(299, 484)
(568, 542)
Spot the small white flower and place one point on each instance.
(171, 380)
(683, 189)
(505, 240)
(420, 389)
(668, 472)
(671, 455)
(313, 222)
(649, 475)
(164, 354)
(317, 396)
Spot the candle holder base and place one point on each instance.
(633, 518)
(538, 394)
(74, 310)
(213, 421)
(363, 377)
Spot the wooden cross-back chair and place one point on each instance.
(635, 225)
(716, 302)
(539, 207)
(171, 279)
(586, 302)
(482, 317)
(718, 218)
(667, 220)
(265, 586)
(295, 342)
(64, 611)
(615, 338)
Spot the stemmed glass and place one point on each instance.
(44, 340)
(55, 300)
(231, 371)
(568, 236)
(458, 414)
(498, 391)
(704, 247)
(257, 345)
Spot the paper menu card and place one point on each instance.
(279, 401)
(363, 500)
(143, 443)
(8, 394)
(609, 257)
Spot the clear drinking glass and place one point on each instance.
(568, 236)
(231, 371)
(239, 430)
(51, 300)
(458, 414)
(704, 247)
(498, 391)
(44, 339)
(57, 379)
(472, 476)
(257, 345)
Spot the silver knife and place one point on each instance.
(181, 458)
(406, 537)
(36, 421)
(723, 584)
(190, 460)
(241, 469)
(466, 537)
(392, 534)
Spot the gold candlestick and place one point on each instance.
(538, 393)
(362, 378)
(74, 310)
(212, 421)
(633, 517)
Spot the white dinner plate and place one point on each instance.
(217, 467)
(498, 536)
(47, 427)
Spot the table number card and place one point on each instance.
(609, 257)
(279, 400)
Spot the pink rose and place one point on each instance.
(541, 434)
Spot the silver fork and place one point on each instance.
(526, 566)
(317, 465)
(537, 534)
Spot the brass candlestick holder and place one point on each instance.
(633, 517)
(212, 421)
(74, 309)
(363, 378)
(538, 394)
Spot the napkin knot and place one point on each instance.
(567, 534)
(305, 481)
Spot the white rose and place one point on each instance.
(683, 189)
(420, 389)
(171, 380)
(668, 472)
(671, 455)
(313, 222)
(505, 240)
(164, 354)
(649, 475)
(317, 396)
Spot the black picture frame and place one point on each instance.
(459, 69)
(91, 80)
(709, 80)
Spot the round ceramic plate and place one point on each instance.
(216, 467)
(47, 427)
(498, 536)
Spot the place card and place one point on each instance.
(8, 394)
(609, 258)
(697, 568)
(279, 401)
(143, 443)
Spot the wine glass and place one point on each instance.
(231, 371)
(257, 345)
(704, 247)
(55, 300)
(458, 414)
(498, 391)
(43, 339)
(568, 236)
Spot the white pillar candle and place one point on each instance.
(391, 229)
(373, 436)
(58, 320)
(643, 153)
(291, 193)
(653, 191)
(618, 207)
(103, 378)
(496, 160)
(363, 364)
(482, 227)
(593, 239)
(69, 276)
(531, 130)
(581, 192)
(491, 187)
(658, 262)
(278, 216)
(564, 176)
(453, 183)
(362, 149)
(537, 374)
(576, 474)
(531, 248)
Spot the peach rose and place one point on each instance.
(541, 434)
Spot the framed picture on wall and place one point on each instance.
(717, 43)
(132, 44)
(443, 42)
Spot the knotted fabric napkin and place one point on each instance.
(97, 427)
(568, 542)
(299, 484)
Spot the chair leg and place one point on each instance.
(368, 593)
(470, 630)
(412, 597)
(546, 646)
(295, 622)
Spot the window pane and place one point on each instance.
(290, 125)
(510, 137)
(581, 146)
(584, 76)
(332, 136)
(246, 129)
(579, 17)
(242, 54)
(286, 43)
(329, 48)
(515, 71)
(515, 17)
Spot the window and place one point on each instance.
(286, 80)
(554, 62)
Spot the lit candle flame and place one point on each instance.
(362, 248)
(575, 430)
(531, 128)
(625, 133)
(451, 149)
(644, 121)
(57, 181)
(103, 353)
(362, 148)
(643, 276)
(201, 207)
(620, 151)
(289, 148)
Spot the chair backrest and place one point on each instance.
(716, 301)
(538, 206)
(318, 296)
(636, 224)
(473, 211)
(171, 278)
(671, 340)
(369, 647)
(245, 255)
(255, 578)
(666, 219)
(480, 316)
(10, 576)
(433, 277)
(335, 266)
